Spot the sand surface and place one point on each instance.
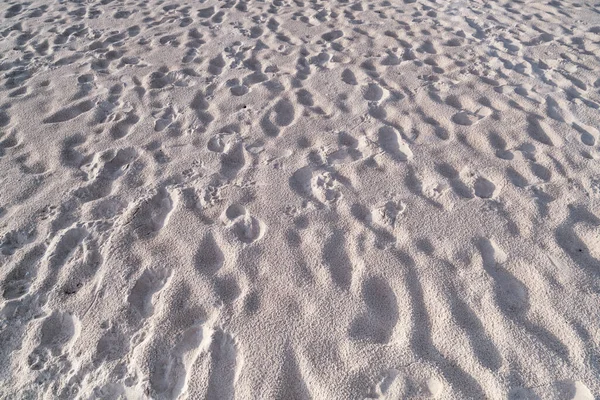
(296, 199)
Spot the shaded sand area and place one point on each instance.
(299, 199)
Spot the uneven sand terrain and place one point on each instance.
(299, 199)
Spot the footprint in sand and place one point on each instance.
(226, 364)
(68, 113)
(283, 114)
(336, 259)
(58, 331)
(380, 320)
(209, 258)
(151, 214)
(245, 227)
(148, 284)
(123, 127)
(104, 170)
(391, 142)
(169, 378)
(484, 188)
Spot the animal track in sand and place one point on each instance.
(349, 78)
(539, 130)
(166, 118)
(63, 247)
(216, 65)
(511, 295)
(372, 92)
(19, 279)
(111, 346)
(227, 289)
(123, 127)
(354, 130)
(201, 106)
(233, 159)
(484, 188)
(337, 260)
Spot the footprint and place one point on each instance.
(464, 118)
(227, 289)
(19, 279)
(122, 128)
(226, 365)
(291, 384)
(378, 324)
(104, 171)
(216, 144)
(68, 113)
(209, 258)
(589, 135)
(64, 247)
(216, 65)
(245, 227)
(372, 92)
(112, 346)
(349, 78)
(326, 188)
(511, 294)
(388, 213)
(152, 214)
(148, 284)
(87, 265)
(390, 141)
(13, 240)
(4, 118)
(320, 187)
(200, 105)
(206, 12)
(305, 98)
(58, 330)
(165, 118)
(233, 160)
(337, 261)
(484, 188)
(284, 112)
(539, 130)
(249, 229)
(169, 377)
(333, 35)
(385, 383)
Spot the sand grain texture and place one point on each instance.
(299, 199)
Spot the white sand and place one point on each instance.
(292, 200)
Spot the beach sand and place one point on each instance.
(299, 199)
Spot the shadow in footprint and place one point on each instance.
(378, 324)
(512, 297)
(337, 260)
(209, 257)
